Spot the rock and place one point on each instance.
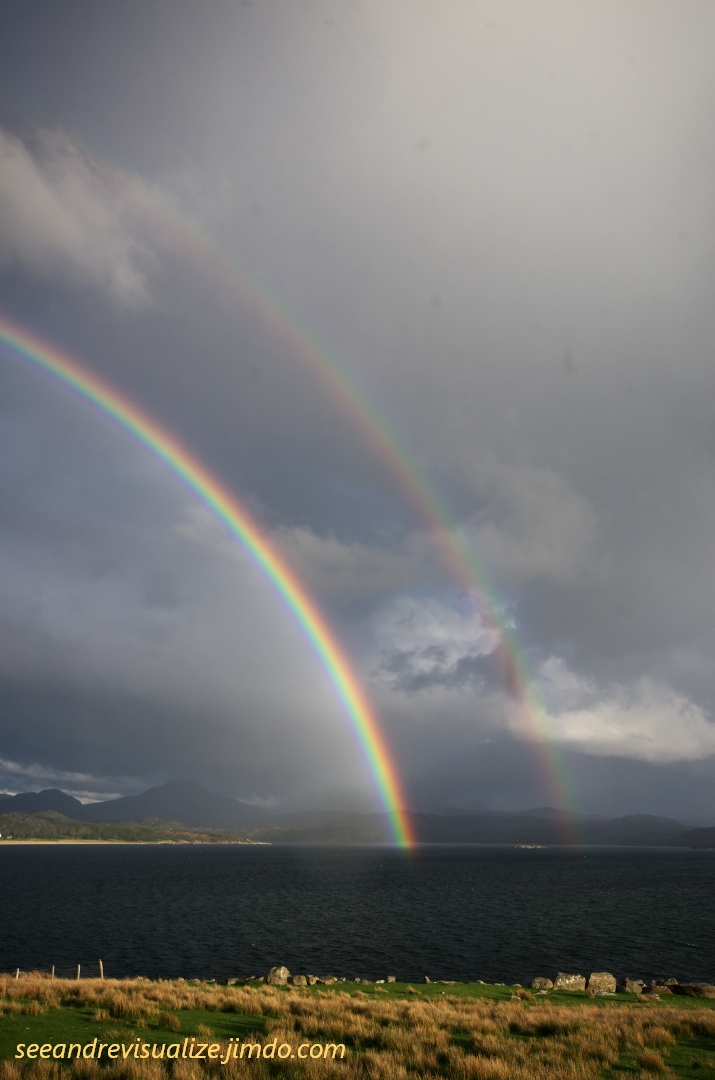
(427, 979)
(631, 986)
(540, 992)
(278, 976)
(448, 982)
(328, 980)
(312, 979)
(602, 982)
(563, 981)
(392, 978)
(701, 990)
(541, 984)
(298, 980)
(358, 979)
(670, 982)
(656, 988)
(378, 982)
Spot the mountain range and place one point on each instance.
(187, 803)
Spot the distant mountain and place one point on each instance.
(639, 829)
(189, 804)
(698, 838)
(178, 800)
(37, 802)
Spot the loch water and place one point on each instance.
(449, 912)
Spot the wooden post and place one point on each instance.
(78, 971)
(53, 971)
(101, 970)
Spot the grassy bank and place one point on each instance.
(394, 1031)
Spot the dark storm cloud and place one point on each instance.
(497, 219)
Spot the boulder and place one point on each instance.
(427, 979)
(701, 990)
(658, 988)
(541, 984)
(278, 976)
(392, 978)
(631, 986)
(602, 982)
(312, 979)
(298, 980)
(563, 981)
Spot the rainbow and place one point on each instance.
(454, 552)
(237, 520)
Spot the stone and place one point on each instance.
(298, 980)
(540, 983)
(312, 979)
(563, 981)
(328, 980)
(278, 976)
(392, 978)
(427, 979)
(602, 982)
(701, 990)
(378, 982)
(358, 979)
(656, 988)
(631, 986)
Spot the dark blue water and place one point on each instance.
(447, 912)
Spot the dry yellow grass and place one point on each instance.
(388, 1038)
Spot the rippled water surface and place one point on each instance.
(448, 912)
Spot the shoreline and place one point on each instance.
(141, 843)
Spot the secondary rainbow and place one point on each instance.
(243, 527)
(456, 555)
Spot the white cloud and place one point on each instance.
(63, 216)
(646, 721)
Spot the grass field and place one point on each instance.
(394, 1031)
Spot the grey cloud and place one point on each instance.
(62, 215)
(497, 221)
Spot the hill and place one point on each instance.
(49, 825)
(196, 808)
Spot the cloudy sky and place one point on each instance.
(496, 220)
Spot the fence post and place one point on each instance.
(101, 970)
(53, 971)
(78, 971)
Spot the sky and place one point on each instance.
(495, 221)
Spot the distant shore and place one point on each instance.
(143, 843)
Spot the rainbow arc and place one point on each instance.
(241, 525)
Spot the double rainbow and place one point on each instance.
(240, 523)
(455, 553)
